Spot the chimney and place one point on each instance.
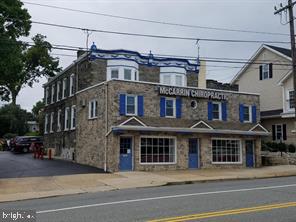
(202, 75)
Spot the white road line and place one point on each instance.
(165, 197)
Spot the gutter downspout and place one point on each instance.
(106, 126)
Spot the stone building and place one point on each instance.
(120, 110)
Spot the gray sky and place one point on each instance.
(237, 14)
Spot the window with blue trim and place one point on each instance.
(217, 113)
(170, 107)
(131, 105)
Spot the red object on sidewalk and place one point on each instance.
(49, 154)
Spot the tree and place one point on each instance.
(13, 120)
(21, 64)
(38, 114)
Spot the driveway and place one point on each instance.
(24, 165)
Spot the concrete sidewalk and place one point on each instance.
(39, 187)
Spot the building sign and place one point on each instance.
(195, 93)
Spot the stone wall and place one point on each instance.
(276, 158)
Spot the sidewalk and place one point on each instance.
(40, 187)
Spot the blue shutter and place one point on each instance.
(254, 119)
(241, 113)
(162, 106)
(178, 107)
(210, 110)
(224, 111)
(122, 104)
(140, 106)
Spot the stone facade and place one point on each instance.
(95, 140)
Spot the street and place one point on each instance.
(272, 200)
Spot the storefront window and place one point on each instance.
(158, 150)
(226, 151)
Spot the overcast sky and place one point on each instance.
(254, 15)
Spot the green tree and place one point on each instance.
(13, 120)
(38, 114)
(21, 64)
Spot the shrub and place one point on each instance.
(291, 148)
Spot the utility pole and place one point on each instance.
(289, 8)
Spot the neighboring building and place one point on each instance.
(120, 110)
(33, 126)
(268, 73)
(214, 84)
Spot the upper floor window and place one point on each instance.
(46, 124)
(59, 122)
(131, 105)
(51, 122)
(73, 117)
(93, 109)
(47, 95)
(59, 90)
(67, 118)
(122, 69)
(53, 93)
(64, 87)
(217, 111)
(247, 113)
(170, 107)
(265, 71)
(72, 84)
(291, 99)
(173, 76)
(114, 74)
(127, 74)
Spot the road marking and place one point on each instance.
(226, 212)
(165, 197)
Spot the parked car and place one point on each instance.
(22, 144)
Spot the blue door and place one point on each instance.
(249, 153)
(193, 153)
(125, 161)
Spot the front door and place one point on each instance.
(249, 153)
(125, 162)
(193, 153)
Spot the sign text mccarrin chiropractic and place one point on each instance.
(196, 93)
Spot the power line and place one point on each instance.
(159, 36)
(155, 21)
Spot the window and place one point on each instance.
(59, 87)
(247, 113)
(217, 111)
(51, 122)
(64, 87)
(59, 126)
(93, 109)
(127, 74)
(46, 124)
(158, 150)
(47, 96)
(279, 132)
(73, 117)
(291, 99)
(131, 105)
(265, 71)
(226, 151)
(179, 80)
(167, 79)
(114, 74)
(53, 93)
(67, 118)
(170, 107)
(72, 85)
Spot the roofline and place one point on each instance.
(263, 46)
(284, 78)
(189, 130)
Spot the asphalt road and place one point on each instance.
(24, 165)
(250, 201)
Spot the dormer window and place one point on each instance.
(122, 70)
(174, 76)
